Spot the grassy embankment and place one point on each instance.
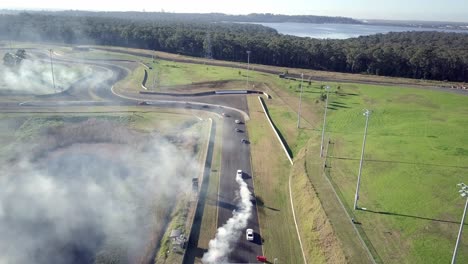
(271, 173)
(210, 212)
(182, 214)
(322, 242)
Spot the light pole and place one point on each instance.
(154, 79)
(356, 196)
(52, 68)
(464, 193)
(327, 88)
(300, 103)
(248, 67)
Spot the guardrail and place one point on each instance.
(179, 94)
(145, 78)
(219, 92)
(145, 65)
(280, 139)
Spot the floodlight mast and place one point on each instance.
(248, 67)
(52, 68)
(356, 196)
(464, 193)
(300, 103)
(327, 88)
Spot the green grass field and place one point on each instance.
(170, 73)
(417, 153)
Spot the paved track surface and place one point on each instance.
(235, 155)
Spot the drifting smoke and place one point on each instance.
(220, 247)
(85, 203)
(35, 77)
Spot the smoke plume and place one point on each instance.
(88, 202)
(35, 77)
(222, 245)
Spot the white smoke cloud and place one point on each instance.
(221, 246)
(87, 199)
(35, 77)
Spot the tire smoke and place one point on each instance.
(221, 246)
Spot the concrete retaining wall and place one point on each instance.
(145, 78)
(224, 92)
(283, 144)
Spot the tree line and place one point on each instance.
(201, 17)
(421, 55)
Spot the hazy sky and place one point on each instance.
(445, 10)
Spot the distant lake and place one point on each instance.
(342, 31)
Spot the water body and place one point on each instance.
(342, 31)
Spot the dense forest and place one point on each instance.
(428, 55)
(204, 17)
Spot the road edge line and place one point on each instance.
(290, 192)
(295, 221)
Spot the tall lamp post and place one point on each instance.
(248, 67)
(52, 68)
(300, 103)
(356, 196)
(327, 88)
(464, 193)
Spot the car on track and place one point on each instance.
(237, 121)
(239, 173)
(245, 141)
(249, 234)
(143, 103)
(237, 130)
(225, 115)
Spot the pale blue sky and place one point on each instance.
(440, 10)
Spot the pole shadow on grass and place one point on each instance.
(260, 203)
(411, 216)
(338, 105)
